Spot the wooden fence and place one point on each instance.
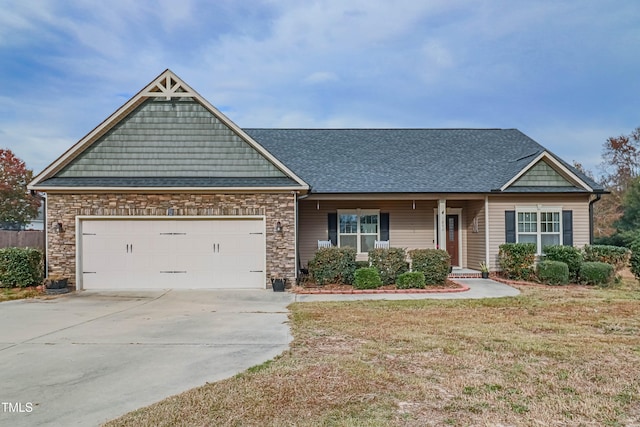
(21, 239)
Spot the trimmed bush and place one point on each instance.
(333, 265)
(367, 278)
(20, 267)
(553, 272)
(411, 280)
(433, 263)
(390, 263)
(616, 256)
(517, 259)
(596, 273)
(569, 255)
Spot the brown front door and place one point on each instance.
(452, 239)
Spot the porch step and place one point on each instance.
(464, 273)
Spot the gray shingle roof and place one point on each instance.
(403, 160)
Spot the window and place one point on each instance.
(541, 226)
(358, 229)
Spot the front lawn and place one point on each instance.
(551, 356)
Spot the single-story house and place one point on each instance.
(168, 192)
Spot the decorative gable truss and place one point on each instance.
(168, 86)
(546, 171)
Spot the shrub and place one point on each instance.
(596, 273)
(616, 256)
(570, 255)
(390, 263)
(553, 272)
(635, 258)
(367, 278)
(411, 280)
(362, 264)
(333, 265)
(517, 259)
(20, 267)
(433, 263)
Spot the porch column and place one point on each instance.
(442, 224)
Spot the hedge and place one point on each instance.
(596, 273)
(367, 278)
(569, 255)
(616, 256)
(411, 280)
(333, 265)
(553, 272)
(390, 263)
(517, 259)
(433, 263)
(20, 267)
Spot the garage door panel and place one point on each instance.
(181, 254)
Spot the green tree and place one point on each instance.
(17, 205)
(630, 219)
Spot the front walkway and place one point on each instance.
(478, 288)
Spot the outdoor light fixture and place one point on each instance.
(58, 227)
(278, 227)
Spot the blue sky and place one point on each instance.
(566, 73)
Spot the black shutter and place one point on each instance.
(384, 226)
(567, 228)
(510, 226)
(332, 226)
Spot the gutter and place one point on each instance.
(591, 203)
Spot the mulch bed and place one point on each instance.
(312, 288)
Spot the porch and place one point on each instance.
(406, 223)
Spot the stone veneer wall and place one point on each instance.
(64, 208)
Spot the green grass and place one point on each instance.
(551, 356)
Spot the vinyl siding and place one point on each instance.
(579, 204)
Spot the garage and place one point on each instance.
(181, 253)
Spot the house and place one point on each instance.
(168, 192)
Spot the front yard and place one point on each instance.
(551, 356)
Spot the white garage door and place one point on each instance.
(163, 254)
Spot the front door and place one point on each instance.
(452, 239)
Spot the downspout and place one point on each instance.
(591, 203)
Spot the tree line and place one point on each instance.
(617, 215)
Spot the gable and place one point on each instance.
(167, 137)
(175, 138)
(542, 175)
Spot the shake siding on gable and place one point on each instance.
(579, 204)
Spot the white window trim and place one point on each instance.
(358, 213)
(538, 209)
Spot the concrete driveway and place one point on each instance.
(87, 358)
